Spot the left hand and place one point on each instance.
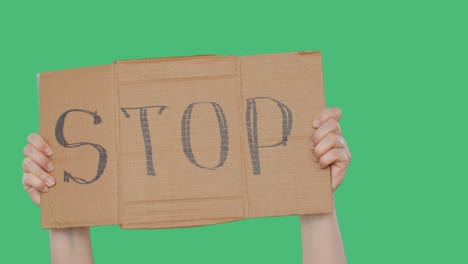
(329, 146)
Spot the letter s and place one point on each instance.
(62, 141)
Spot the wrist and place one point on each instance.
(313, 218)
(70, 245)
(69, 233)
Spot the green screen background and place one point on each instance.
(397, 69)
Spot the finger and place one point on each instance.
(330, 126)
(32, 181)
(336, 156)
(39, 143)
(38, 157)
(330, 141)
(325, 114)
(35, 195)
(29, 166)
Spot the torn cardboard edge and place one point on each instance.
(183, 141)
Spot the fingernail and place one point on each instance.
(50, 166)
(45, 189)
(316, 123)
(50, 182)
(48, 151)
(314, 157)
(311, 145)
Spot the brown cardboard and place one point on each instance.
(187, 141)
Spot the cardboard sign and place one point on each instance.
(186, 141)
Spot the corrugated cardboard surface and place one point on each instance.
(189, 141)
(69, 203)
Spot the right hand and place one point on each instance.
(36, 167)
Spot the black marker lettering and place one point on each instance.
(251, 122)
(61, 140)
(145, 132)
(223, 129)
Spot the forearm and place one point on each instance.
(70, 245)
(321, 239)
